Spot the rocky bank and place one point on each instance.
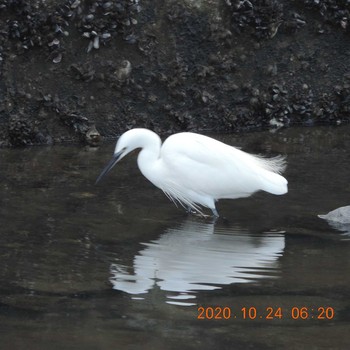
(80, 70)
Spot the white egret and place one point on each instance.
(195, 170)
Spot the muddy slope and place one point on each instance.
(75, 70)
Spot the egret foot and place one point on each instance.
(191, 211)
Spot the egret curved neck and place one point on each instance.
(148, 157)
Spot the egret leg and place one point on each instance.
(215, 212)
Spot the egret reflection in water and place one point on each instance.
(200, 256)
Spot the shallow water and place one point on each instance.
(119, 266)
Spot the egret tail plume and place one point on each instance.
(274, 183)
(276, 164)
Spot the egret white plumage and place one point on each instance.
(195, 170)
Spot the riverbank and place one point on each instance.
(83, 71)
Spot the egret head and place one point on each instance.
(129, 141)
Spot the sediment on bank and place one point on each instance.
(87, 70)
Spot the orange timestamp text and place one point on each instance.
(267, 313)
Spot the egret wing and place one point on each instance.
(204, 165)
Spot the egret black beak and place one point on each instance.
(109, 166)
